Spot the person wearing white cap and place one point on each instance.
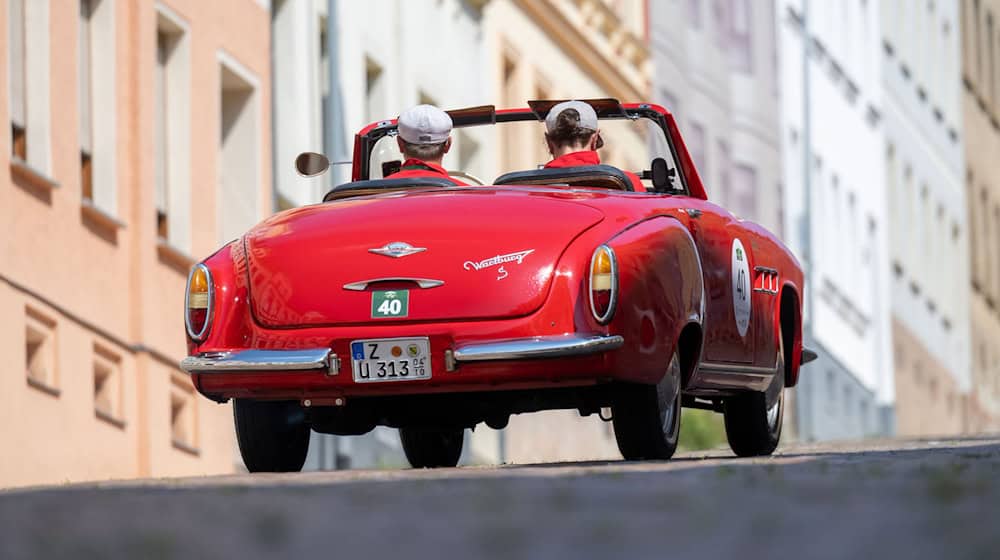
(424, 137)
(573, 138)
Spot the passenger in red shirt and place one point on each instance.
(573, 138)
(424, 137)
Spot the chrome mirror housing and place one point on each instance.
(311, 164)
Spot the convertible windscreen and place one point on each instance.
(629, 144)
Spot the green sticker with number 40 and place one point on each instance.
(394, 303)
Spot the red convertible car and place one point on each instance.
(430, 307)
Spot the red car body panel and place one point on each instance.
(281, 287)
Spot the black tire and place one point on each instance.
(273, 435)
(431, 448)
(752, 428)
(647, 418)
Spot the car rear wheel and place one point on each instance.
(647, 418)
(273, 435)
(753, 427)
(430, 448)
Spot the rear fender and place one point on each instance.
(230, 316)
(660, 292)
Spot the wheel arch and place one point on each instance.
(689, 346)
(790, 330)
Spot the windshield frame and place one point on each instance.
(690, 182)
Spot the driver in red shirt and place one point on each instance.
(573, 138)
(424, 137)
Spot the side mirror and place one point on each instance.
(662, 175)
(311, 164)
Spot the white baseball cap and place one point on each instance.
(424, 124)
(588, 117)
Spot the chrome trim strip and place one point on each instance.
(538, 347)
(766, 269)
(425, 283)
(263, 360)
(737, 368)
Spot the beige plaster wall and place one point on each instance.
(102, 279)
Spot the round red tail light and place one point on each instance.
(198, 302)
(603, 284)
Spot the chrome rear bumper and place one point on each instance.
(324, 359)
(263, 360)
(563, 346)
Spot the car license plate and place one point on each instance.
(391, 359)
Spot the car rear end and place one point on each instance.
(487, 296)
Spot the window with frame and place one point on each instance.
(172, 132)
(108, 405)
(16, 75)
(96, 96)
(744, 187)
(694, 12)
(40, 352)
(85, 69)
(239, 144)
(183, 415)
(740, 43)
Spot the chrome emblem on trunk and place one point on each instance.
(397, 249)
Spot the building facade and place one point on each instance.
(716, 70)
(380, 71)
(131, 128)
(453, 53)
(836, 212)
(564, 49)
(928, 246)
(980, 102)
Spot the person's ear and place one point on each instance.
(399, 142)
(447, 145)
(596, 141)
(548, 144)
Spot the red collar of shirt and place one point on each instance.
(586, 157)
(416, 164)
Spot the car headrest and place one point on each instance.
(602, 176)
(375, 186)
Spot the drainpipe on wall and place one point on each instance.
(334, 135)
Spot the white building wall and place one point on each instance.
(844, 242)
(922, 82)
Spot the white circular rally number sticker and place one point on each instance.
(741, 287)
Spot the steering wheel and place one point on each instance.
(464, 175)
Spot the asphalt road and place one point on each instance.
(885, 499)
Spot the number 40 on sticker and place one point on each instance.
(394, 303)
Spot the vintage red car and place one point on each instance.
(430, 307)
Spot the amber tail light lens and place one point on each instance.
(603, 284)
(198, 302)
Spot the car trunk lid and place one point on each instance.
(443, 256)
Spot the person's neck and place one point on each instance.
(437, 162)
(560, 152)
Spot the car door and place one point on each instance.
(722, 245)
(766, 280)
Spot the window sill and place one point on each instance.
(26, 176)
(186, 448)
(109, 418)
(91, 212)
(173, 256)
(44, 387)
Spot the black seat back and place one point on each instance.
(601, 176)
(375, 186)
